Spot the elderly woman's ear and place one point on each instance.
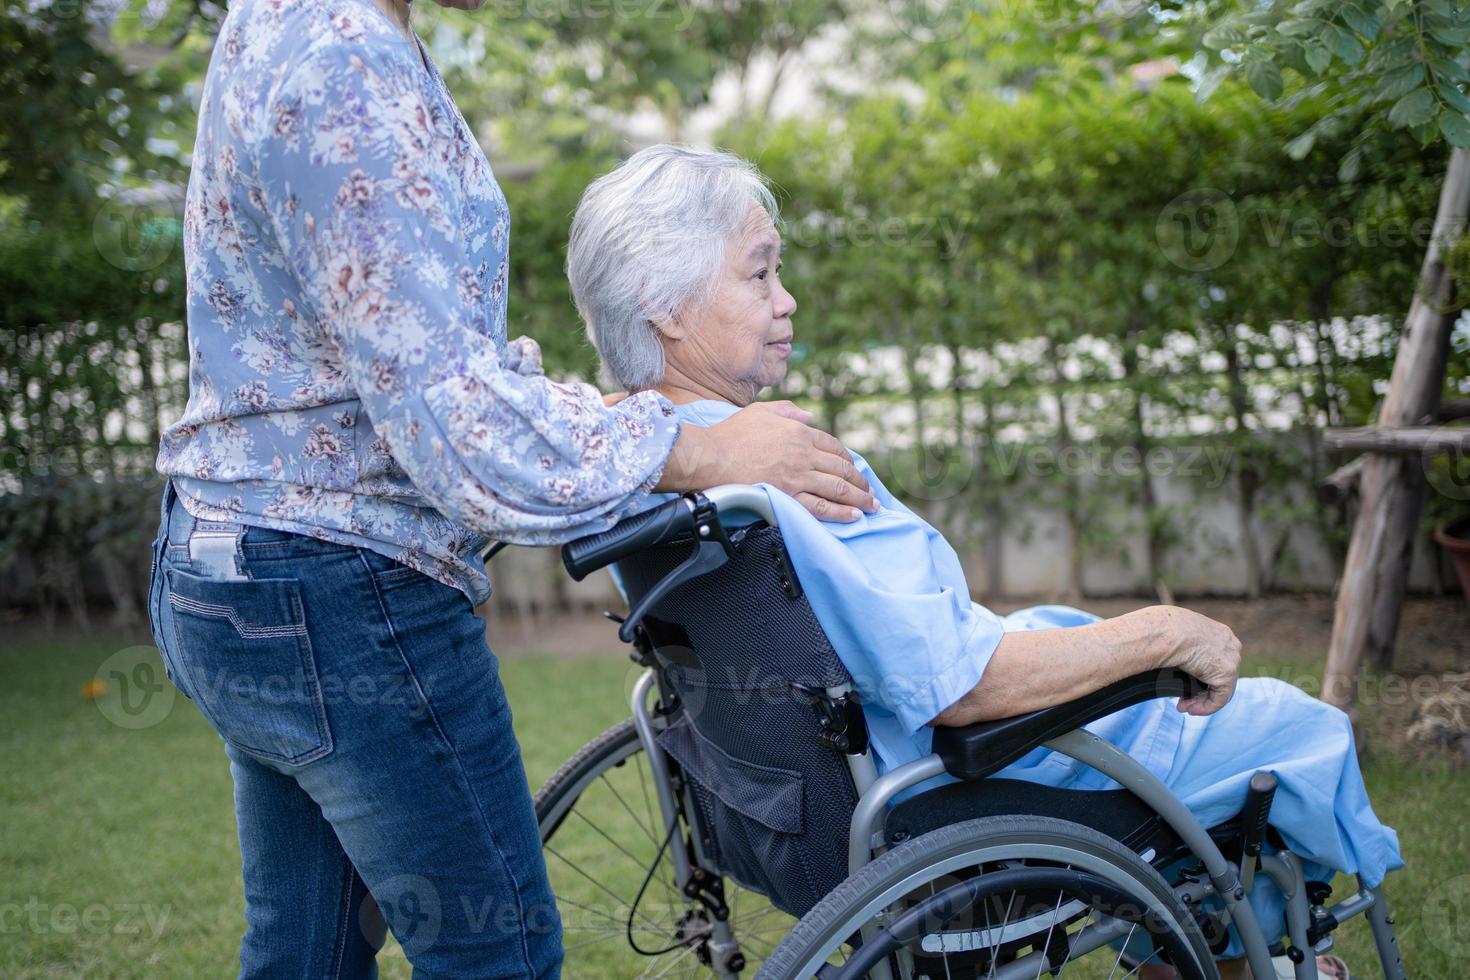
(672, 329)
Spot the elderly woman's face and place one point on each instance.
(740, 342)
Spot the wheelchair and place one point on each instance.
(737, 820)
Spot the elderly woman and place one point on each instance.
(675, 264)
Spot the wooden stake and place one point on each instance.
(1391, 487)
(1341, 483)
(1408, 439)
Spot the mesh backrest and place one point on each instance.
(775, 801)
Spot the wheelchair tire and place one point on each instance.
(601, 837)
(820, 941)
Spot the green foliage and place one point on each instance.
(1394, 63)
(1025, 231)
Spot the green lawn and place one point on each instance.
(118, 855)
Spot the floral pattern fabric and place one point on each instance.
(346, 250)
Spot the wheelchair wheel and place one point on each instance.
(604, 843)
(997, 897)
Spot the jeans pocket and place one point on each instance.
(244, 648)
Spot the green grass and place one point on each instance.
(118, 855)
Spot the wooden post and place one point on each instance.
(1410, 440)
(1340, 485)
(1391, 487)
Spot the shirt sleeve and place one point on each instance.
(891, 596)
(384, 214)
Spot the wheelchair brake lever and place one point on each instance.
(712, 550)
(1254, 817)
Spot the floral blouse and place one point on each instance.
(346, 250)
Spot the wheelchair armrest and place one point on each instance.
(978, 750)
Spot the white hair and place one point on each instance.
(648, 244)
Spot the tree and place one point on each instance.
(1381, 63)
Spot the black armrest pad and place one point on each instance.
(976, 751)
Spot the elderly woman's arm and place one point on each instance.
(1040, 668)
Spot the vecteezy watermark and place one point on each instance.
(1202, 229)
(677, 15)
(508, 918)
(131, 689)
(1446, 916)
(136, 234)
(1272, 691)
(63, 918)
(891, 231)
(931, 21)
(238, 685)
(414, 909)
(933, 473)
(411, 907)
(1448, 473)
(1199, 229)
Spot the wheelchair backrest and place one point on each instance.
(737, 646)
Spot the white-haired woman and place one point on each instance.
(357, 425)
(697, 229)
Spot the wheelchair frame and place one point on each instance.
(876, 792)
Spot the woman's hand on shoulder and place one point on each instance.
(772, 442)
(1200, 646)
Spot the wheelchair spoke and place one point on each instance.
(651, 836)
(600, 886)
(587, 908)
(567, 948)
(648, 809)
(615, 924)
(683, 954)
(765, 947)
(594, 857)
(607, 837)
(643, 786)
(995, 953)
(1041, 967)
(1122, 948)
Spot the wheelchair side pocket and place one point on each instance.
(244, 648)
(753, 812)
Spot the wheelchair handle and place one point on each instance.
(667, 521)
(586, 555)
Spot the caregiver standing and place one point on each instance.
(357, 426)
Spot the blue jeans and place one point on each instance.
(377, 778)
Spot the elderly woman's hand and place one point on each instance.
(771, 442)
(1200, 646)
(1034, 669)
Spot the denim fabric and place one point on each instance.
(371, 748)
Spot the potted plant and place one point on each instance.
(1450, 476)
(1454, 537)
